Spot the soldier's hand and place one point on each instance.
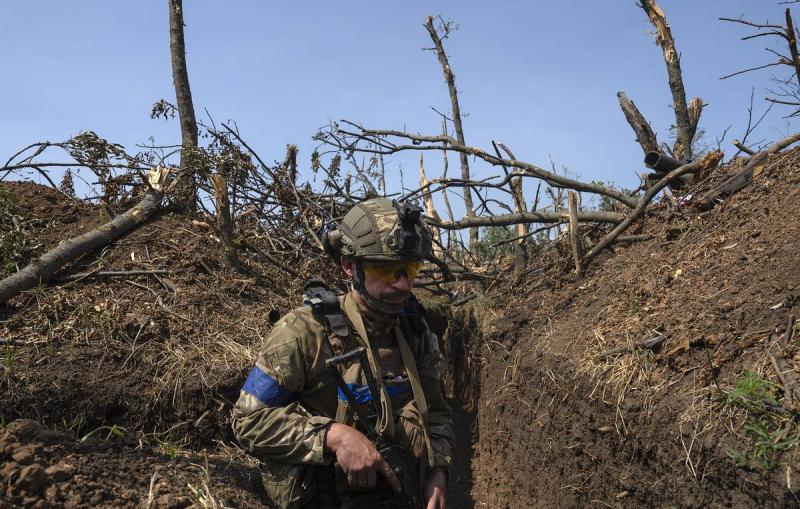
(358, 457)
(435, 489)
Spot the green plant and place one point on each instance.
(771, 430)
(751, 392)
(16, 245)
(171, 448)
(492, 235)
(113, 430)
(74, 426)
(10, 356)
(607, 204)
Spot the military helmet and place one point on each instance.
(380, 229)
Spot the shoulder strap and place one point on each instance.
(416, 388)
(325, 306)
(386, 426)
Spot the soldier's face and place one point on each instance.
(390, 283)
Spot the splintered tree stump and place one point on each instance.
(575, 233)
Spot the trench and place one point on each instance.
(532, 431)
(458, 333)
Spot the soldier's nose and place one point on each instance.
(402, 283)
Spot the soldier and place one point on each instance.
(289, 413)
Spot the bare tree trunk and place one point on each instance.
(445, 199)
(520, 229)
(186, 187)
(451, 86)
(644, 133)
(685, 121)
(39, 270)
(791, 39)
(430, 210)
(224, 220)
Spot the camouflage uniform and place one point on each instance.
(290, 399)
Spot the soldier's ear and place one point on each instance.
(349, 266)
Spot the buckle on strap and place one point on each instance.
(324, 303)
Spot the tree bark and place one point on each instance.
(186, 186)
(430, 210)
(641, 127)
(575, 233)
(791, 39)
(588, 216)
(520, 229)
(450, 79)
(686, 125)
(224, 220)
(39, 270)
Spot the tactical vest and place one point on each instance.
(328, 311)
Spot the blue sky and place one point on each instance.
(541, 77)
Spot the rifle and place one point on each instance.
(397, 456)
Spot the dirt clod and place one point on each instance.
(32, 479)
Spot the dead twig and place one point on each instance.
(787, 375)
(105, 274)
(13, 342)
(743, 177)
(648, 344)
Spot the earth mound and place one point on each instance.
(649, 382)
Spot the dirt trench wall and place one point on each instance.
(547, 439)
(560, 424)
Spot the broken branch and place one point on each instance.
(711, 160)
(41, 269)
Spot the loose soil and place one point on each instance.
(561, 427)
(122, 396)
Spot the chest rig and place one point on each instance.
(327, 309)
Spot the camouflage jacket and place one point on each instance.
(289, 399)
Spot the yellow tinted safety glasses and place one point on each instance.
(389, 272)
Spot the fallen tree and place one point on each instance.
(41, 269)
(740, 179)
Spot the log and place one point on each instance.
(575, 233)
(41, 269)
(584, 216)
(743, 177)
(741, 146)
(709, 161)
